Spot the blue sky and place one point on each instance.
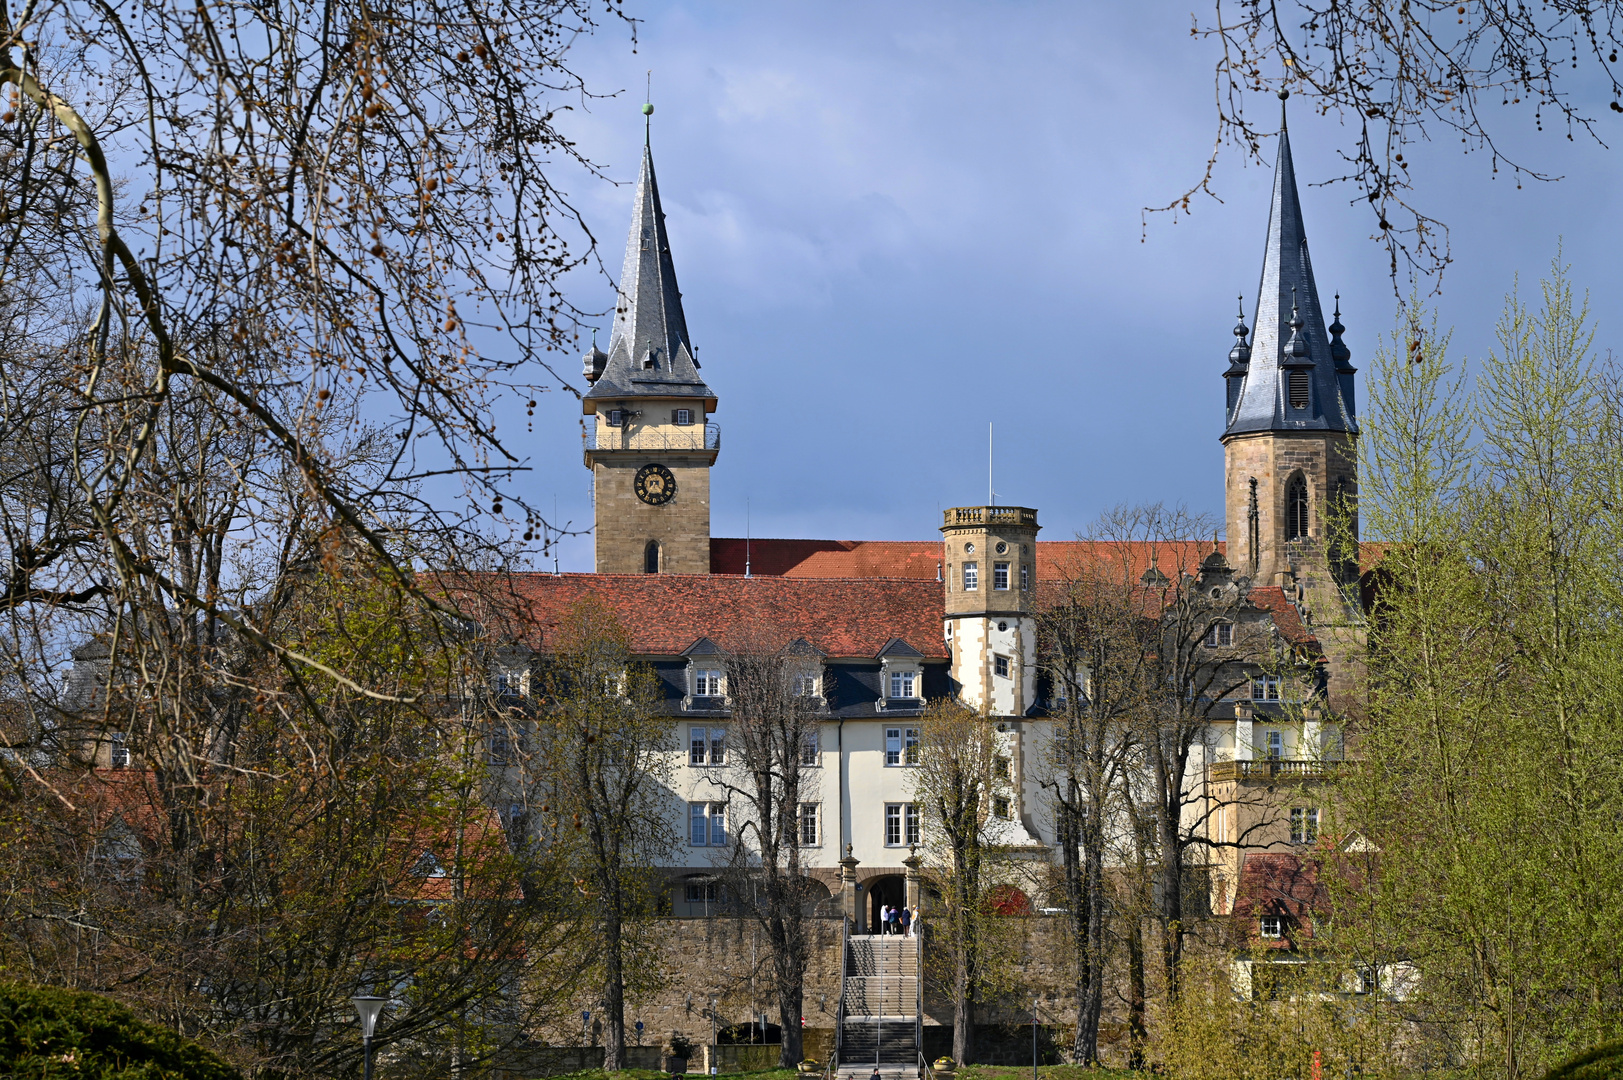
(894, 223)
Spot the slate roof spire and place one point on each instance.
(650, 354)
(1290, 330)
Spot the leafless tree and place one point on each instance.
(1399, 75)
(773, 690)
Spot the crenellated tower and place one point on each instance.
(1290, 437)
(649, 440)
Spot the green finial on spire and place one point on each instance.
(647, 109)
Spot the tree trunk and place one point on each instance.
(963, 1009)
(614, 994)
(1135, 992)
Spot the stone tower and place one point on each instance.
(989, 561)
(1291, 437)
(649, 439)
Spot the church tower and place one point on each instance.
(1290, 440)
(649, 439)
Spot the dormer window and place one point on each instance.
(649, 361)
(617, 417)
(1271, 926)
(904, 684)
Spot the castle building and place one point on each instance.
(891, 625)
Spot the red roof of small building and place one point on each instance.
(1286, 617)
(667, 613)
(1277, 883)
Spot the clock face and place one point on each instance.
(655, 485)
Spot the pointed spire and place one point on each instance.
(1296, 351)
(1338, 348)
(1289, 324)
(1240, 355)
(650, 354)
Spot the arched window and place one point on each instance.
(650, 557)
(1296, 508)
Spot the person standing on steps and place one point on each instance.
(884, 920)
(906, 918)
(918, 921)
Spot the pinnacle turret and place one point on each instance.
(1239, 358)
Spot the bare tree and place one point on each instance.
(1400, 75)
(959, 785)
(600, 769)
(772, 692)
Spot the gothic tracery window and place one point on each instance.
(1296, 508)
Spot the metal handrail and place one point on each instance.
(839, 1007)
(925, 1071)
(918, 990)
(661, 437)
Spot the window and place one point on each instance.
(1298, 389)
(1274, 744)
(707, 746)
(807, 685)
(1025, 578)
(1304, 824)
(650, 557)
(810, 752)
(684, 416)
(707, 682)
(707, 824)
(500, 747)
(1271, 926)
(1000, 576)
(1000, 666)
(808, 824)
(904, 684)
(1000, 765)
(1367, 983)
(1296, 508)
(1220, 635)
(118, 754)
(700, 892)
(972, 576)
(427, 866)
(617, 417)
(1000, 807)
(1265, 688)
(901, 746)
(901, 824)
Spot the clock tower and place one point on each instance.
(649, 440)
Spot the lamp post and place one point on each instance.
(1033, 1039)
(368, 1006)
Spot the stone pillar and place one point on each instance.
(914, 894)
(850, 892)
(1312, 748)
(1244, 747)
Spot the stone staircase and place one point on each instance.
(880, 999)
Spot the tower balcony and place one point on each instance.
(1269, 770)
(663, 438)
(989, 515)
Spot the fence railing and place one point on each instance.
(839, 1007)
(663, 437)
(918, 995)
(1272, 769)
(989, 515)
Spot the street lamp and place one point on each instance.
(368, 1006)
(712, 1054)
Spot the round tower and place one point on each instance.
(989, 566)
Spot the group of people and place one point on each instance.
(903, 921)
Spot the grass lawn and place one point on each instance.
(655, 1074)
(1044, 1072)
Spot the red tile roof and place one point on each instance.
(667, 613)
(1279, 884)
(920, 560)
(1286, 617)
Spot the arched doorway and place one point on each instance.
(891, 890)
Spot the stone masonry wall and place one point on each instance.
(625, 524)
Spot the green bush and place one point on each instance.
(1604, 1062)
(46, 1033)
